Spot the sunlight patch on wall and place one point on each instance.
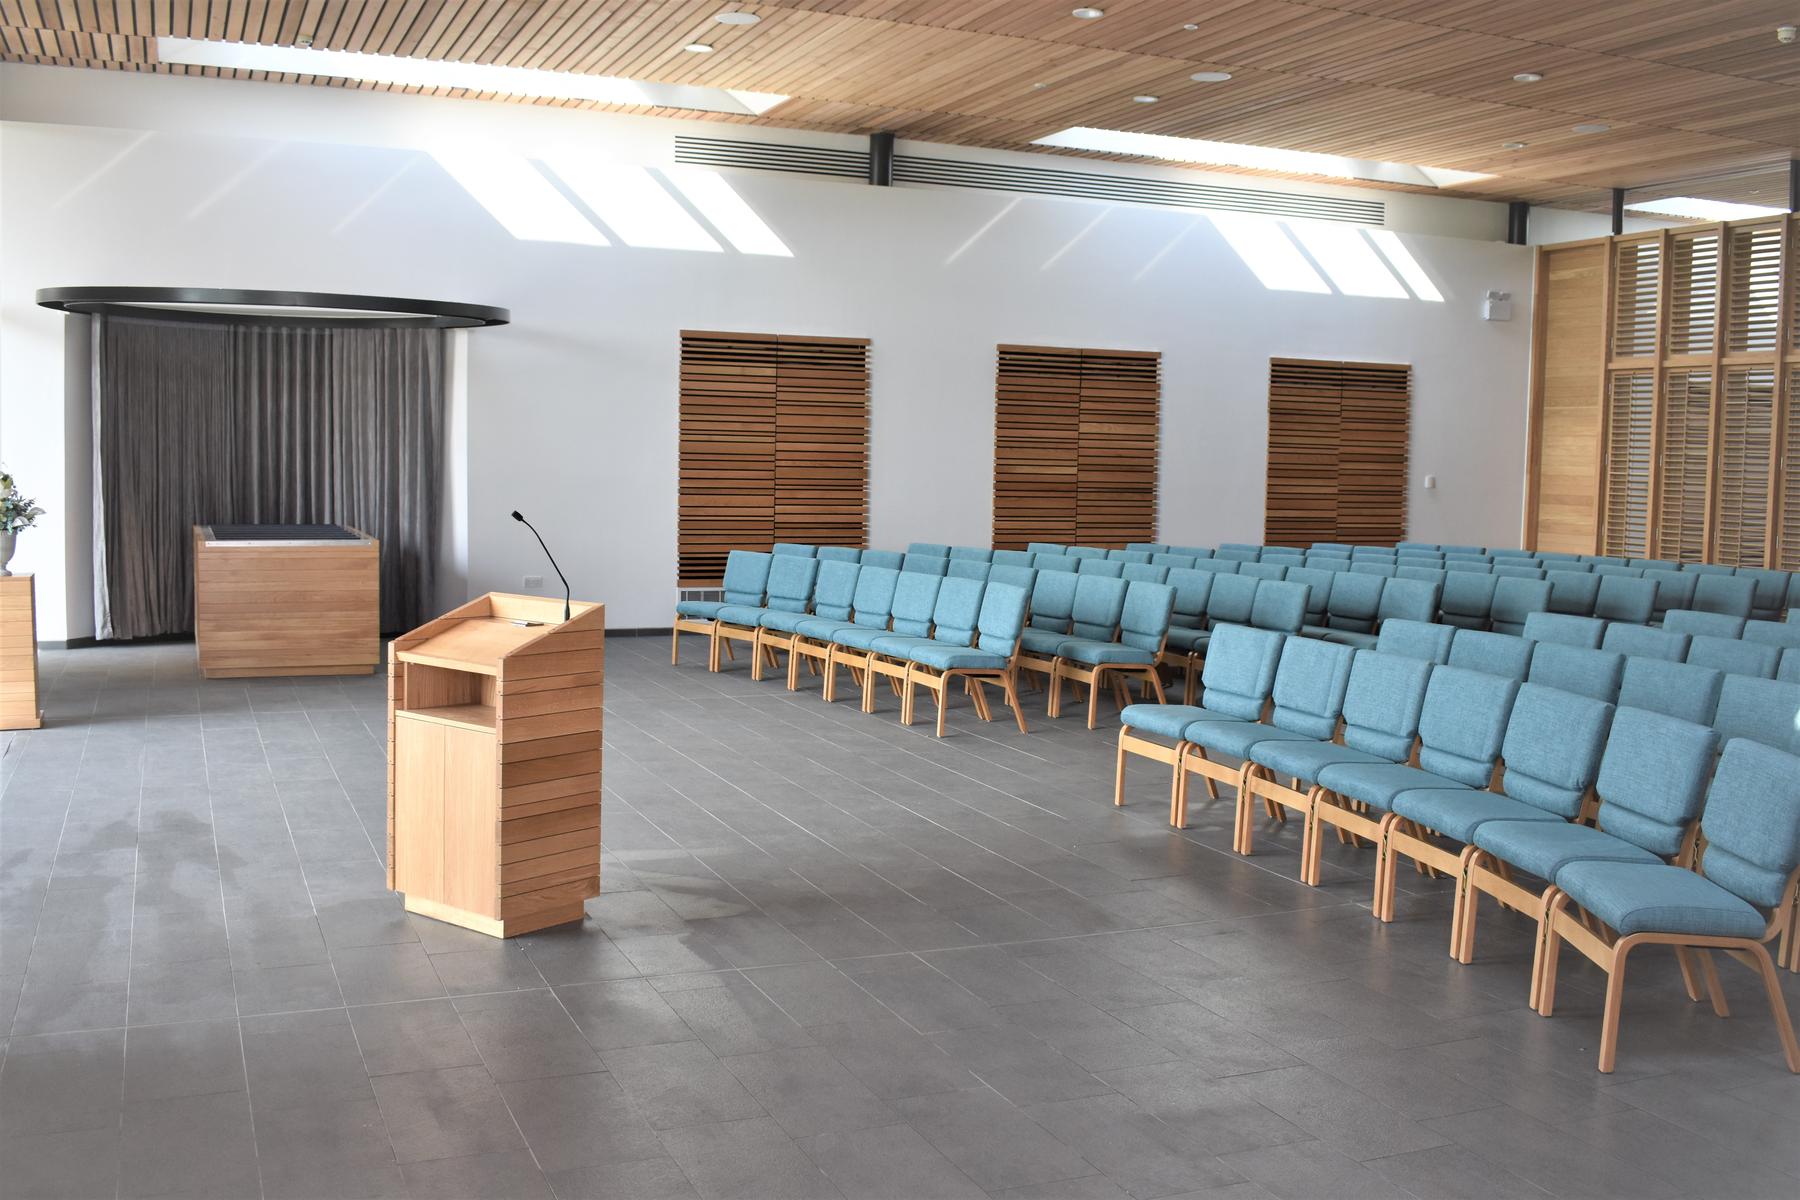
(1352, 266)
(518, 196)
(727, 212)
(1271, 255)
(1402, 260)
(632, 204)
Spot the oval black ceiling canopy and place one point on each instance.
(252, 307)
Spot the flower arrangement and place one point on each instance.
(16, 511)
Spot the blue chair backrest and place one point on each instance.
(1707, 568)
(938, 549)
(791, 579)
(834, 595)
(1327, 560)
(1752, 823)
(1053, 600)
(1516, 599)
(1240, 670)
(968, 568)
(1194, 552)
(1192, 590)
(976, 553)
(1763, 710)
(1242, 554)
(925, 564)
(915, 599)
(958, 609)
(1111, 568)
(1408, 600)
(1769, 588)
(1468, 598)
(1789, 670)
(1653, 778)
(1279, 605)
(1622, 598)
(1099, 602)
(1655, 564)
(1346, 547)
(1682, 690)
(1468, 566)
(1415, 639)
(1735, 656)
(1383, 703)
(1084, 552)
(1645, 642)
(1310, 683)
(1674, 589)
(1012, 558)
(1055, 562)
(1220, 566)
(848, 554)
(1386, 570)
(1144, 573)
(1129, 556)
(1045, 547)
(1002, 618)
(1553, 744)
(1318, 594)
(875, 596)
(1292, 555)
(1012, 576)
(1431, 546)
(1509, 571)
(1147, 547)
(1696, 623)
(1510, 552)
(1233, 600)
(1610, 560)
(1144, 622)
(1172, 560)
(1354, 602)
(747, 576)
(1374, 554)
(1573, 592)
(1560, 627)
(1773, 633)
(1499, 654)
(1428, 574)
(889, 559)
(1264, 570)
(1577, 669)
(1617, 568)
(799, 549)
(1464, 724)
(1725, 594)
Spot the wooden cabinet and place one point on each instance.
(446, 797)
(285, 605)
(18, 653)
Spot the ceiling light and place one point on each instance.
(1259, 158)
(473, 77)
(1210, 76)
(1590, 127)
(1529, 77)
(1145, 99)
(698, 48)
(736, 18)
(1088, 14)
(1038, 87)
(1190, 28)
(1699, 209)
(303, 40)
(1512, 145)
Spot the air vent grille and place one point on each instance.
(771, 156)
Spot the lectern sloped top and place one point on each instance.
(489, 629)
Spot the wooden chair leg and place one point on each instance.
(757, 650)
(1710, 974)
(713, 641)
(1178, 791)
(793, 671)
(1459, 912)
(730, 654)
(978, 693)
(1778, 1009)
(868, 688)
(942, 695)
(1546, 998)
(1094, 698)
(1119, 771)
(1054, 707)
(906, 698)
(1012, 699)
(829, 691)
(1684, 958)
(675, 647)
(1615, 999)
(1240, 834)
(1156, 685)
(1187, 685)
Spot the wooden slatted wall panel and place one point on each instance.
(822, 441)
(1116, 465)
(1568, 332)
(1637, 283)
(1693, 291)
(1787, 506)
(1682, 457)
(1075, 446)
(1337, 452)
(1625, 524)
(1037, 442)
(1746, 437)
(774, 446)
(1753, 307)
(1300, 496)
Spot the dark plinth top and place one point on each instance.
(287, 535)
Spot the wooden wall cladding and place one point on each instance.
(1338, 435)
(1075, 446)
(774, 446)
(1692, 379)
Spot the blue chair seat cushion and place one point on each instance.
(1167, 720)
(784, 622)
(1093, 653)
(747, 615)
(823, 629)
(945, 657)
(706, 609)
(1349, 637)
(1236, 737)
(1187, 640)
(1041, 642)
(1656, 898)
(1458, 811)
(1377, 784)
(1546, 847)
(860, 637)
(1304, 760)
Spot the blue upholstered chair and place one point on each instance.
(1147, 547)
(1694, 623)
(1386, 570)
(1585, 632)
(1264, 570)
(1499, 654)
(1789, 670)
(1354, 602)
(1173, 560)
(1616, 566)
(849, 554)
(1241, 551)
(1512, 552)
(926, 564)
(1237, 681)
(1674, 589)
(1084, 552)
(1415, 639)
(1685, 691)
(1655, 564)
(1279, 606)
(911, 599)
(1769, 592)
(1012, 558)
(791, 580)
(974, 553)
(887, 559)
(1573, 592)
(1578, 670)
(930, 549)
(1328, 560)
(1730, 594)
(1468, 599)
(1599, 560)
(954, 617)
(1194, 552)
(1045, 547)
(1516, 599)
(1345, 547)
(968, 568)
(1055, 562)
(1401, 600)
(1427, 574)
(1708, 568)
(1111, 568)
(1433, 547)
(1761, 710)
(1144, 573)
(1566, 562)
(1052, 609)
(1746, 869)
(1785, 634)
(802, 549)
(1512, 570)
(1624, 598)
(1550, 755)
(1187, 623)
(1023, 577)
(1219, 566)
(834, 603)
(1318, 596)
(1734, 656)
(1468, 566)
(1092, 657)
(1293, 556)
(1232, 602)
(1649, 788)
(1645, 641)
(746, 582)
(1129, 556)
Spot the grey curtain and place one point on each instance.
(196, 423)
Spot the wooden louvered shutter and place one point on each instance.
(1637, 282)
(1787, 547)
(822, 441)
(1682, 457)
(1630, 401)
(1753, 308)
(1075, 446)
(1337, 452)
(1693, 292)
(1746, 434)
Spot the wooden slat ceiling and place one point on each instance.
(1688, 88)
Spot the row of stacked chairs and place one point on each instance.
(1490, 775)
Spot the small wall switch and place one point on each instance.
(1430, 482)
(1497, 306)
(534, 581)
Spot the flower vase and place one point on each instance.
(8, 540)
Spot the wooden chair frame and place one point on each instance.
(1040, 664)
(1402, 836)
(1259, 784)
(724, 634)
(881, 666)
(815, 653)
(858, 663)
(1193, 761)
(938, 684)
(1131, 743)
(1607, 950)
(1095, 676)
(705, 626)
(1349, 817)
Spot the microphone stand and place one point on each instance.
(517, 516)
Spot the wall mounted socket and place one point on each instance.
(534, 581)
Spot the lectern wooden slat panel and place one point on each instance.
(494, 733)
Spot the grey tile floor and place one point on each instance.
(834, 957)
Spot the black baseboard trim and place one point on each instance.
(645, 631)
(79, 643)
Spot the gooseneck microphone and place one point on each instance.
(519, 517)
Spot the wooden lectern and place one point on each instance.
(494, 763)
(18, 653)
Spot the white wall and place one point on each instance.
(571, 410)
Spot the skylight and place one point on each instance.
(475, 77)
(1259, 158)
(1698, 209)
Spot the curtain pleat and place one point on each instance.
(200, 424)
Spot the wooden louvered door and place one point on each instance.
(1787, 474)
(1630, 407)
(1075, 446)
(1683, 459)
(1338, 435)
(1746, 440)
(773, 446)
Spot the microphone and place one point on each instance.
(517, 516)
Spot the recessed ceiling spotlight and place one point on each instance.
(1591, 127)
(1145, 99)
(1512, 145)
(1088, 14)
(736, 18)
(304, 39)
(1529, 77)
(1190, 28)
(1210, 76)
(698, 48)
(1038, 87)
